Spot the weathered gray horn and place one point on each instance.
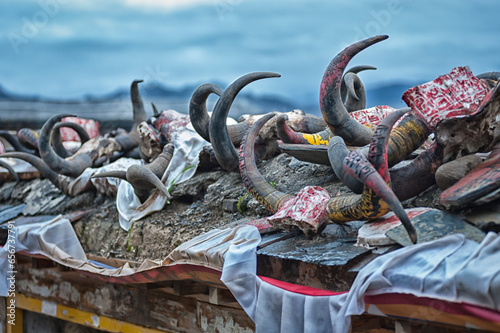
(57, 141)
(226, 154)
(73, 167)
(198, 113)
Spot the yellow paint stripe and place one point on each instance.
(18, 320)
(78, 316)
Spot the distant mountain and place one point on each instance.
(114, 107)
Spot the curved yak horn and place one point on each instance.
(28, 138)
(225, 153)
(130, 140)
(198, 113)
(354, 70)
(137, 105)
(145, 178)
(495, 76)
(14, 141)
(43, 169)
(11, 171)
(332, 108)
(72, 166)
(57, 141)
(356, 95)
(377, 198)
(256, 185)
(156, 113)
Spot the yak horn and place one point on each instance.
(198, 113)
(356, 97)
(43, 169)
(11, 171)
(332, 108)
(137, 105)
(226, 154)
(377, 197)
(354, 70)
(254, 182)
(57, 141)
(15, 142)
(73, 167)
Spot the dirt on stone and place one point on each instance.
(196, 207)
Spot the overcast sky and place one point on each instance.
(66, 49)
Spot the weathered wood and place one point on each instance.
(136, 304)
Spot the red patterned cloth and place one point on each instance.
(451, 95)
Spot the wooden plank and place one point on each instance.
(131, 303)
(78, 316)
(14, 320)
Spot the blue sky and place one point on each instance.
(66, 49)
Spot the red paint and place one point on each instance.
(298, 289)
(308, 206)
(455, 94)
(371, 116)
(169, 121)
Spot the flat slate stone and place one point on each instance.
(433, 225)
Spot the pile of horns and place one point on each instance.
(360, 155)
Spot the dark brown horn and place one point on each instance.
(156, 113)
(198, 113)
(256, 185)
(57, 141)
(356, 95)
(73, 167)
(373, 171)
(354, 70)
(495, 76)
(226, 154)
(337, 152)
(15, 142)
(11, 171)
(332, 108)
(145, 178)
(43, 169)
(137, 105)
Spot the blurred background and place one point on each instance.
(80, 56)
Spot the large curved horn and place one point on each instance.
(256, 185)
(73, 167)
(226, 154)
(43, 169)
(145, 178)
(337, 152)
(377, 198)
(332, 108)
(57, 141)
(15, 142)
(11, 171)
(198, 113)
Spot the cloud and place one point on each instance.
(165, 5)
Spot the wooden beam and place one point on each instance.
(78, 316)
